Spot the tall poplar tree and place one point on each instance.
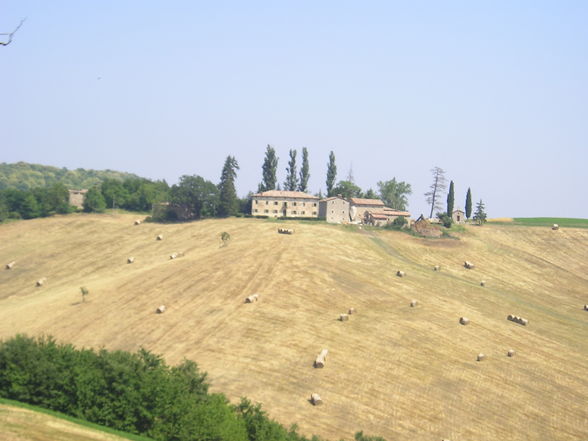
(304, 171)
(450, 199)
(291, 182)
(269, 169)
(331, 174)
(228, 202)
(468, 204)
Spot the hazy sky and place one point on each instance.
(494, 92)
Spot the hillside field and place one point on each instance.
(400, 372)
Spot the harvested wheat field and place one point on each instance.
(402, 372)
(18, 424)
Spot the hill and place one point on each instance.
(25, 176)
(400, 372)
(18, 423)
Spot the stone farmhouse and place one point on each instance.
(278, 203)
(458, 216)
(77, 198)
(336, 209)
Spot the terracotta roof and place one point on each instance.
(361, 201)
(378, 216)
(392, 212)
(285, 194)
(333, 197)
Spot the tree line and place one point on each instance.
(132, 392)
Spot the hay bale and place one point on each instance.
(160, 309)
(510, 317)
(173, 256)
(468, 265)
(252, 298)
(517, 319)
(285, 231)
(343, 317)
(41, 281)
(400, 273)
(524, 322)
(130, 259)
(9, 265)
(413, 303)
(351, 311)
(315, 399)
(159, 237)
(464, 320)
(138, 222)
(585, 307)
(483, 283)
(511, 353)
(480, 357)
(321, 359)
(436, 268)
(555, 227)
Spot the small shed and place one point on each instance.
(458, 216)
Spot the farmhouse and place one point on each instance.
(359, 207)
(77, 197)
(278, 203)
(334, 210)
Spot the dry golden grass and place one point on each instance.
(400, 372)
(17, 424)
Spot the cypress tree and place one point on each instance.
(269, 169)
(468, 204)
(450, 200)
(229, 204)
(331, 174)
(291, 182)
(304, 171)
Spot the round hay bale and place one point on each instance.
(343, 317)
(511, 353)
(400, 273)
(159, 237)
(138, 222)
(160, 309)
(480, 357)
(351, 311)
(252, 298)
(9, 265)
(413, 303)
(130, 259)
(315, 399)
(510, 317)
(523, 321)
(464, 320)
(41, 281)
(585, 307)
(468, 265)
(483, 283)
(173, 256)
(555, 227)
(436, 268)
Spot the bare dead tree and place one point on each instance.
(437, 187)
(10, 34)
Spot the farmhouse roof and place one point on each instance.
(379, 216)
(392, 212)
(285, 194)
(362, 201)
(333, 197)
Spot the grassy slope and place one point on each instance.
(404, 373)
(21, 422)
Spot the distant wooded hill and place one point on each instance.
(25, 176)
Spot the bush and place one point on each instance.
(445, 219)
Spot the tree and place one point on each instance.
(371, 194)
(437, 187)
(84, 292)
(468, 204)
(394, 193)
(228, 204)
(30, 207)
(331, 174)
(291, 182)
(94, 201)
(196, 196)
(304, 172)
(347, 189)
(225, 238)
(450, 200)
(480, 214)
(269, 169)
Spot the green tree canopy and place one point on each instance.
(480, 214)
(331, 174)
(94, 201)
(269, 170)
(229, 203)
(304, 172)
(291, 182)
(468, 204)
(450, 199)
(394, 193)
(196, 196)
(347, 189)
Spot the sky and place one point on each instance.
(493, 92)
